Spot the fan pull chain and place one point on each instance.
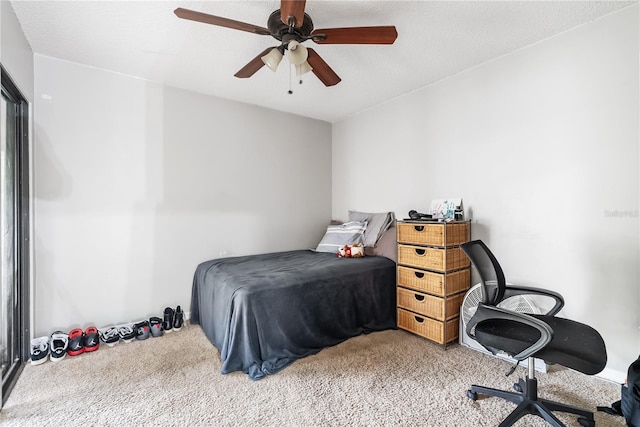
(290, 91)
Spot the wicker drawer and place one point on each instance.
(441, 234)
(437, 259)
(429, 305)
(441, 284)
(428, 328)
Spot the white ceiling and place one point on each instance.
(436, 39)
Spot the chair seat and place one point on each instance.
(574, 345)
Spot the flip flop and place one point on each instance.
(76, 342)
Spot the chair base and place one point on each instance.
(528, 403)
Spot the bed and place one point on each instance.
(263, 312)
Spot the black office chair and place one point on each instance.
(529, 336)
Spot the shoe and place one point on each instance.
(167, 323)
(109, 335)
(91, 339)
(39, 350)
(178, 319)
(142, 330)
(155, 323)
(126, 332)
(58, 346)
(76, 342)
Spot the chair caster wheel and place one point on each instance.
(472, 395)
(586, 422)
(517, 387)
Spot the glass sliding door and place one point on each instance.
(14, 235)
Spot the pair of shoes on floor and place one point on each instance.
(39, 350)
(173, 319)
(80, 341)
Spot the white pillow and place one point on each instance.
(337, 236)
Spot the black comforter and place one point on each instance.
(265, 311)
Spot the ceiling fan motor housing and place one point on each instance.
(284, 33)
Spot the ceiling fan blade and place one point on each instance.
(254, 65)
(321, 69)
(356, 35)
(293, 8)
(192, 15)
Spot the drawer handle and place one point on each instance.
(419, 297)
(418, 274)
(419, 319)
(420, 252)
(419, 227)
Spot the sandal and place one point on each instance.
(91, 339)
(76, 342)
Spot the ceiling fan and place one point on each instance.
(292, 26)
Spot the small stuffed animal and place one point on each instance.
(351, 251)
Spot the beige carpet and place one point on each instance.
(384, 378)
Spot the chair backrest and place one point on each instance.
(491, 275)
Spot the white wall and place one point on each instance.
(16, 57)
(137, 183)
(15, 53)
(542, 144)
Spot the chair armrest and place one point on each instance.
(524, 290)
(487, 312)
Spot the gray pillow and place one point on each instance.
(377, 224)
(337, 236)
(387, 246)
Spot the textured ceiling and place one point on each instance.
(435, 39)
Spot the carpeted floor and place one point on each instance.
(384, 378)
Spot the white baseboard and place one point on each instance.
(612, 375)
(187, 315)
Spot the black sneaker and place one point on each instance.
(39, 350)
(142, 330)
(126, 332)
(167, 323)
(58, 346)
(178, 319)
(109, 335)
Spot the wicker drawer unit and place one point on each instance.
(440, 332)
(435, 259)
(433, 275)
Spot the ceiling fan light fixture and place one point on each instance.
(272, 59)
(297, 53)
(303, 68)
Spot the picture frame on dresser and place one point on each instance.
(433, 275)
